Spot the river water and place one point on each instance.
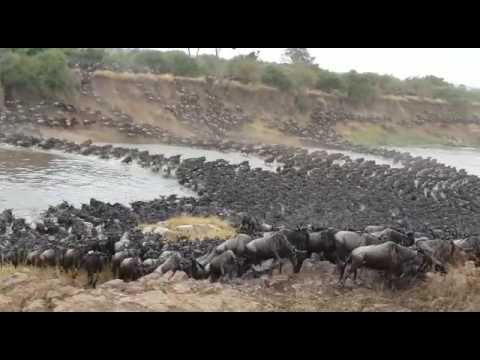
(32, 180)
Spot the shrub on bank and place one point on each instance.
(31, 68)
(152, 60)
(275, 77)
(210, 65)
(329, 82)
(181, 64)
(360, 88)
(45, 73)
(85, 57)
(302, 76)
(244, 69)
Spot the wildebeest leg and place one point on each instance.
(341, 266)
(94, 282)
(390, 278)
(222, 270)
(355, 275)
(173, 274)
(89, 279)
(277, 256)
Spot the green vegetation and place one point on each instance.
(273, 76)
(40, 71)
(378, 135)
(245, 69)
(45, 70)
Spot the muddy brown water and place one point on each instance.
(31, 180)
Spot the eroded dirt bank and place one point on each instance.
(117, 107)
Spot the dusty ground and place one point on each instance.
(26, 289)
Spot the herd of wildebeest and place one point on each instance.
(310, 205)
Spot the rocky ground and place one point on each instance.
(33, 290)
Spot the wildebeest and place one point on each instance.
(440, 252)
(397, 237)
(93, 263)
(395, 260)
(150, 265)
(173, 261)
(117, 259)
(123, 243)
(470, 247)
(276, 246)
(344, 243)
(33, 258)
(131, 269)
(223, 265)
(71, 260)
(249, 224)
(50, 257)
(237, 244)
(374, 229)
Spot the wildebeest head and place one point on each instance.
(197, 270)
(410, 239)
(420, 263)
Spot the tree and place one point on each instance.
(299, 56)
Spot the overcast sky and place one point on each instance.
(459, 66)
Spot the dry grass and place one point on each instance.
(125, 76)
(459, 290)
(49, 273)
(195, 228)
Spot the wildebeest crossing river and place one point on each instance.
(31, 180)
(312, 191)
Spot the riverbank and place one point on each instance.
(145, 108)
(28, 289)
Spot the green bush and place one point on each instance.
(121, 60)
(181, 64)
(329, 82)
(46, 73)
(210, 65)
(360, 88)
(85, 57)
(52, 72)
(275, 77)
(302, 76)
(152, 60)
(244, 69)
(18, 70)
